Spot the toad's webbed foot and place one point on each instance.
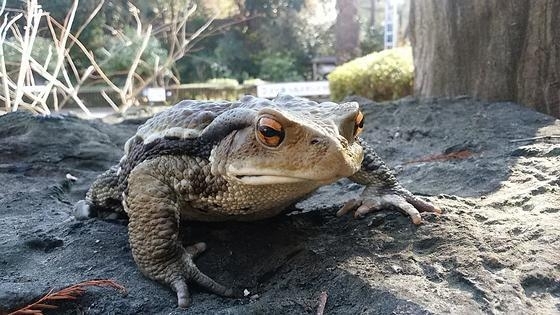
(400, 199)
(383, 190)
(184, 270)
(172, 264)
(153, 230)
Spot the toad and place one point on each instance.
(243, 160)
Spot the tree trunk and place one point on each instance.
(347, 31)
(372, 7)
(491, 49)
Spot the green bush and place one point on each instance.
(223, 82)
(279, 68)
(372, 40)
(40, 52)
(117, 56)
(257, 81)
(379, 76)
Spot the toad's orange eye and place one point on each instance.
(270, 132)
(358, 124)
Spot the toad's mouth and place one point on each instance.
(254, 179)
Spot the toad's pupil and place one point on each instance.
(268, 132)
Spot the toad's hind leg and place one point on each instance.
(106, 191)
(104, 197)
(154, 237)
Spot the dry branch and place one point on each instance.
(14, 92)
(6, 25)
(33, 18)
(60, 45)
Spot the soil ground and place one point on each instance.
(495, 250)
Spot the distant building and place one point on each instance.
(391, 25)
(389, 16)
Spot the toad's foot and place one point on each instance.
(175, 268)
(401, 199)
(153, 232)
(180, 271)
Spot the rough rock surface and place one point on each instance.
(496, 249)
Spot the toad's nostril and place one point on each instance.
(315, 141)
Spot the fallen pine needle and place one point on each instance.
(68, 293)
(457, 155)
(322, 303)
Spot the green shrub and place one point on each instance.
(117, 56)
(372, 39)
(223, 82)
(379, 76)
(40, 52)
(279, 68)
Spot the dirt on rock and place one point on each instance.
(495, 249)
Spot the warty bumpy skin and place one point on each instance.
(244, 160)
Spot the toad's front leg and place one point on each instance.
(383, 191)
(154, 236)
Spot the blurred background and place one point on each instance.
(120, 53)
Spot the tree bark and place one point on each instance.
(491, 49)
(347, 31)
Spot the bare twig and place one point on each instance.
(13, 87)
(535, 138)
(136, 14)
(88, 20)
(34, 14)
(58, 78)
(69, 293)
(91, 58)
(77, 86)
(110, 101)
(6, 25)
(61, 48)
(28, 66)
(126, 93)
(130, 77)
(71, 63)
(322, 303)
